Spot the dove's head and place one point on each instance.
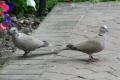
(13, 30)
(103, 29)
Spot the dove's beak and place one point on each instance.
(106, 28)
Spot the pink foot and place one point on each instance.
(92, 59)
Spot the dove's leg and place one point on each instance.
(26, 53)
(92, 59)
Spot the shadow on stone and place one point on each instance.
(29, 56)
(73, 60)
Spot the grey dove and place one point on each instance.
(93, 45)
(25, 42)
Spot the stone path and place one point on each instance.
(71, 23)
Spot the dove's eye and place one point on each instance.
(14, 30)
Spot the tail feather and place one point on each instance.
(45, 44)
(70, 46)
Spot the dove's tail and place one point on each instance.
(71, 47)
(46, 44)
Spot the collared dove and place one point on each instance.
(93, 45)
(25, 42)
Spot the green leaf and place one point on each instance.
(0, 9)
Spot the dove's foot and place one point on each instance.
(92, 59)
(25, 54)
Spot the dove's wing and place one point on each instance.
(93, 45)
(27, 42)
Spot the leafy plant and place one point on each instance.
(21, 7)
(1, 17)
(62, 0)
(51, 4)
(93, 1)
(37, 4)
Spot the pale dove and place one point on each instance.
(93, 45)
(25, 42)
